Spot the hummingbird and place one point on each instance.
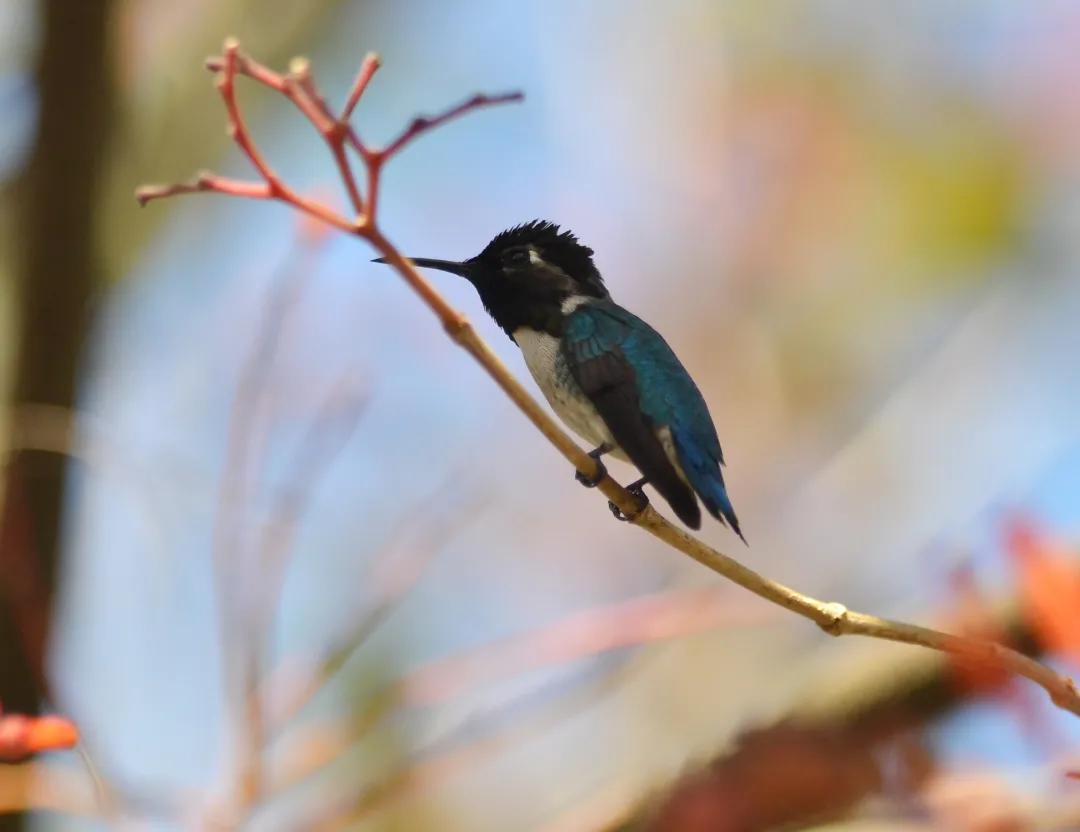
(608, 375)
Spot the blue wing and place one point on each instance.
(624, 365)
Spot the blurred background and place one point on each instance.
(243, 463)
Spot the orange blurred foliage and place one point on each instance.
(23, 736)
(972, 616)
(1048, 582)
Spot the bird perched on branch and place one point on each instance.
(607, 374)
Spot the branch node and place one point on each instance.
(457, 327)
(836, 617)
(1066, 698)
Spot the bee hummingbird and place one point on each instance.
(607, 374)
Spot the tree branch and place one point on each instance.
(834, 618)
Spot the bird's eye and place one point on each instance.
(517, 257)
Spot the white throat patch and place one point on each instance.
(573, 302)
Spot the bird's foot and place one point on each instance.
(592, 482)
(636, 490)
(601, 469)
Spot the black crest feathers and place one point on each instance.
(560, 248)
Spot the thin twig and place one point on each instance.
(630, 623)
(334, 130)
(479, 739)
(238, 131)
(288, 690)
(367, 71)
(328, 433)
(299, 88)
(834, 618)
(421, 124)
(244, 634)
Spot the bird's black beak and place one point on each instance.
(452, 266)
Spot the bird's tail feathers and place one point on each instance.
(702, 470)
(718, 504)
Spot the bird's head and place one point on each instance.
(526, 274)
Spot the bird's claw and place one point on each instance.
(635, 490)
(601, 469)
(593, 481)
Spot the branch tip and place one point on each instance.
(300, 68)
(370, 64)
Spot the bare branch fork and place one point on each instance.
(299, 87)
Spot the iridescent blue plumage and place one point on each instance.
(610, 350)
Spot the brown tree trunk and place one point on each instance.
(58, 271)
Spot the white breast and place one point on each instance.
(546, 363)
